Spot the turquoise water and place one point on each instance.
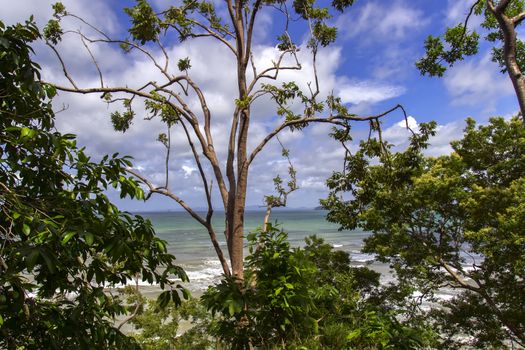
(190, 242)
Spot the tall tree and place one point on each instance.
(453, 221)
(173, 99)
(61, 240)
(501, 20)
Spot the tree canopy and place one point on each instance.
(452, 221)
(61, 240)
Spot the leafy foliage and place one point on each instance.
(459, 42)
(455, 220)
(62, 240)
(306, 298)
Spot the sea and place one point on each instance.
(191, 245)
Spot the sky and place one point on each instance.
(371, 67)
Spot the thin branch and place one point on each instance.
(166, 56)
(276, 68)
(214, 35)
(131, 44)
(336, 120)
(465, 26)
(207, 190)
(64, 69)
(94, 61)
(459, 279)
(206, 143)
(137, 307)
(249, 33)
(88, 24)
(168, 149)
(167, 193)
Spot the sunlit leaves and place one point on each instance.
(122, 121)
(458, 44)
(305, 297)
(184, 64)
(53, 32)
(146, 25)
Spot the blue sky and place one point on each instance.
(371, 67)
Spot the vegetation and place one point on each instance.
(292, 298)
(451, 221)
(184, 326)
(455, 221)
(61, 240)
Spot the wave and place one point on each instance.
(357, 256)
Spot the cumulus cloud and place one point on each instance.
(188, 170)
(398, 134)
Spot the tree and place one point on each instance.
(501, 20)
(172, 100)
(61, 240)
(452, 221)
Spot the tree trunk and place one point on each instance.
(237, 223)
(509, 51)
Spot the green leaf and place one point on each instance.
(231, 308)
(48, 260)
(89, 238)
(354, 334)
(68, 236)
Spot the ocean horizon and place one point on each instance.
(190, 243)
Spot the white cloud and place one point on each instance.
(188, 170)
(91, 11)
(398, 135)
(381, 22)
(440, 143)
(477, 82)
(314, 155)
(368, 92)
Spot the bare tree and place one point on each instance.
(170, 99)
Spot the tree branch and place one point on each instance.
(337, 120)
(64, 69)
(518, 18)
(167, 193)
(277, 67)
(502, 5)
